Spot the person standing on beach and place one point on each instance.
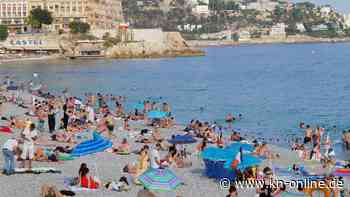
(51, 119)
(9, 151)
(308, 134)
(29, 135)
(65, 116)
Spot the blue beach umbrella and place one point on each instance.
(246, 162)
(182, 139)
(156, 114)
(97, 144)
(160, 180)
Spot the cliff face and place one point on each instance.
(166, 44)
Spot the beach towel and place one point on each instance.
(82, 189)
(38, 170)
(5, 129)
(65, 157)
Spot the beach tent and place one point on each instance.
(160, 180)
(216, 154)
(236, 146)
(182, 139)
(246, 161)
(97, 144)
(156, 114)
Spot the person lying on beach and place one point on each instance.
(41, 155)
(123, 148)
(63, 136)
(86, 180)
(120, 186)
(143, 139)
(17, 123)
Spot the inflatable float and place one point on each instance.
(5, 129)
(97, 144)
(342, 172)
(12, 87)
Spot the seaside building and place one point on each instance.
(300, 27)
(320, 27)
(346, 20)
(13, 14)
(244, 35)
(201, 10)
(101, 14)
(278, 30)
(262, 5)
(32, 44)
(63, 11)
(104, 14)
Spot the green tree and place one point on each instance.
(39, 16)
(278, 13)
(347, 32)
(79, 27)
(3, 32)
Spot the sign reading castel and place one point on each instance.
(26, 42)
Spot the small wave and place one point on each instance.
(194, 90)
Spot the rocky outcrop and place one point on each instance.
(171, 44)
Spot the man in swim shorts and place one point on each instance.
(29, 135)
(308, 134)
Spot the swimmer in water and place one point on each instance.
(229, 118)
(302, 125)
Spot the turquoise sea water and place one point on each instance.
(273, 86)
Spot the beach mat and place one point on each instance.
(39, 170)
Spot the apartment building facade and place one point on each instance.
(100, 14)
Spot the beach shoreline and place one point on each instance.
(288, 40)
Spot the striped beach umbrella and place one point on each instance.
(160, 180)
(345, 172)
(294, 194)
